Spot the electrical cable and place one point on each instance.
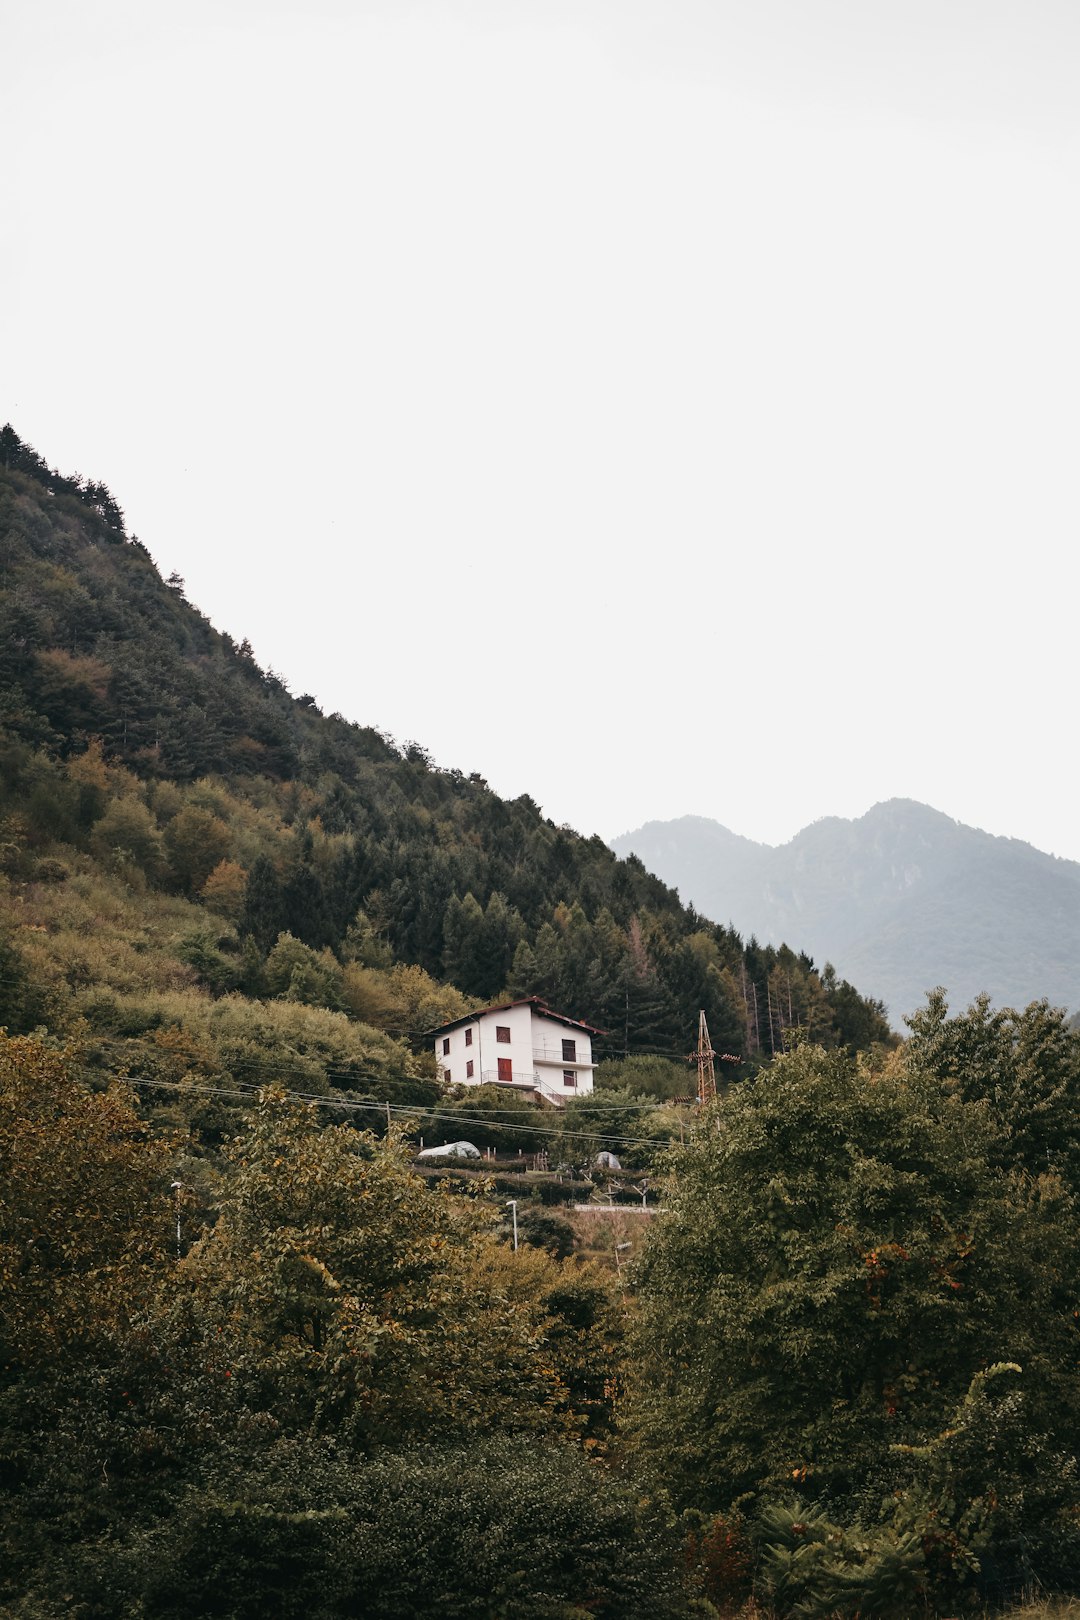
(382, 1108)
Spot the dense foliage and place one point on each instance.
(852, 1364)
(212, 1432)
(254, 1359)
(865, 1299)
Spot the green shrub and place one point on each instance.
(127, 834)
(297, 973)
(816, 1571)
(551, 1233)
(494, 1530)
(552, 1192)
(201, 951)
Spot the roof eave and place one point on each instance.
(539, 1006)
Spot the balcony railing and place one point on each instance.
(529, 1079)
(553, 1054)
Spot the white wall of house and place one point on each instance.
(530, 1057)
(552, 1045)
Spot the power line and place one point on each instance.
(344, 1071)
(383, 1107)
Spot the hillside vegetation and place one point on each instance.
(258, 1359)
(176, 829)
(837, 1378)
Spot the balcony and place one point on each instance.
(553, 1054)
(524, 1080)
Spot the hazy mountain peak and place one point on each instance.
(705, 825)
(900, 898)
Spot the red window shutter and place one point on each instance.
(502, 1034)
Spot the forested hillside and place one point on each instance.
(285, 853)
(258, 1359)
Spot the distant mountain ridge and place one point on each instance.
(899, 900)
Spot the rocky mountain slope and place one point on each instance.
(899, 900)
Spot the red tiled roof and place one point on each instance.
(538, 1006)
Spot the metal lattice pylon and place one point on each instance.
(703, 1056)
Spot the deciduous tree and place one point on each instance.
(840, 1258)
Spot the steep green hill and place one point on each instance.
(177, 825)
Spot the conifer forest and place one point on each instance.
(807, 1349)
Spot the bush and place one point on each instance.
(241, 1560)
(553, 1192)
(548, 1190)
(993, 1502)
(507, 1533)
(108, 1013)
(551, 1233)
(25, 1003)
(472, 1183)
(646, 1076)
(494, 1530)
(200, 951)
(50, 870)
(817, 1571)
(127, 835)
(720, 1557)
(492, 1117)
(297, 973)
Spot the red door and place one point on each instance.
(506, 1069)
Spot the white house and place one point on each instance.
(523, 1046)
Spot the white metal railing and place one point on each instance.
(552, 1054)
(556, 1094)
(519, 1077)
(532, 1079)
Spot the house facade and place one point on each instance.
(522, 1045)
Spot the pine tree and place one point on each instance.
(264, 915)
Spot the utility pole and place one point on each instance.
(703, 1056)
(513, 1203)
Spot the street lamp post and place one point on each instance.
(177, 1188)
(618, 1263)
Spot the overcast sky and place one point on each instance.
(658, 406)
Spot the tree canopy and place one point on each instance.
(848, 1252)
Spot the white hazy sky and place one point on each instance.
(659, 406)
